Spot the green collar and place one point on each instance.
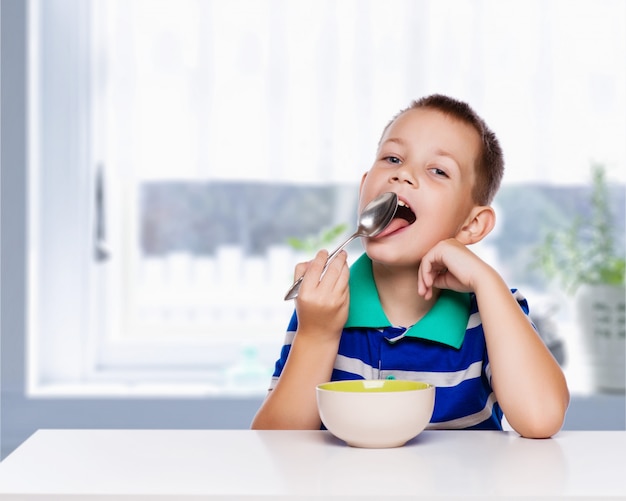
(445, 323)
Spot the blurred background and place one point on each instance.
(166, 163)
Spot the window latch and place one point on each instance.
(101, 249)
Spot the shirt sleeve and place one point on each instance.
(284, 352)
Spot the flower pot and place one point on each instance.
(601, 317)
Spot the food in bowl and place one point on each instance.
(375, 413)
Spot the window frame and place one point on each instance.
(63, 168)
(93, 360)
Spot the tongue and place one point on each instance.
(395, 225)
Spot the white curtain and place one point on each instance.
(300, 90)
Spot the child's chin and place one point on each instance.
(387, 254)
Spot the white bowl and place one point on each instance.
(375, 413)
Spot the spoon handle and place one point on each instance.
(292, 293)
(334, 253)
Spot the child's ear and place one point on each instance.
(362, 181)
(479, 224)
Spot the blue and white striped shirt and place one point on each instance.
(446, 348)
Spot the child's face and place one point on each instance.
(428, 159)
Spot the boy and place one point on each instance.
(419, 304)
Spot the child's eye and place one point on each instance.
(392, 160)
(439, 172)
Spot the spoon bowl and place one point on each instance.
(374, 218)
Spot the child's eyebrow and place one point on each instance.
(443, 153)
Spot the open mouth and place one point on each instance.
(404, 217)
(405, 212)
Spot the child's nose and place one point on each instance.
(404, 175)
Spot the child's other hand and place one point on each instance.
(449, 265)
(322, 302)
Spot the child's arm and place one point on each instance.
(322, 308)
(527, 380)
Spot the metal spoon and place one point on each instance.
(375, 217)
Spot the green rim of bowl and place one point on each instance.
(374, 385)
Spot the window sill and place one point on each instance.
(144, 390)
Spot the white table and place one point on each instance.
(244, 464)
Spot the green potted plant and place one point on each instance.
(585, 260)
(313, 243)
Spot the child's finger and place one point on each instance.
(300, 269)
(312, 272)
(427, 275)
(318, 263)
(335, 269)
(344, 277)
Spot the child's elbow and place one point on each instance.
(545, 422)
(544, 429)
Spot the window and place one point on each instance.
(176, 146)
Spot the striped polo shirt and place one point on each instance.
(446, 348)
